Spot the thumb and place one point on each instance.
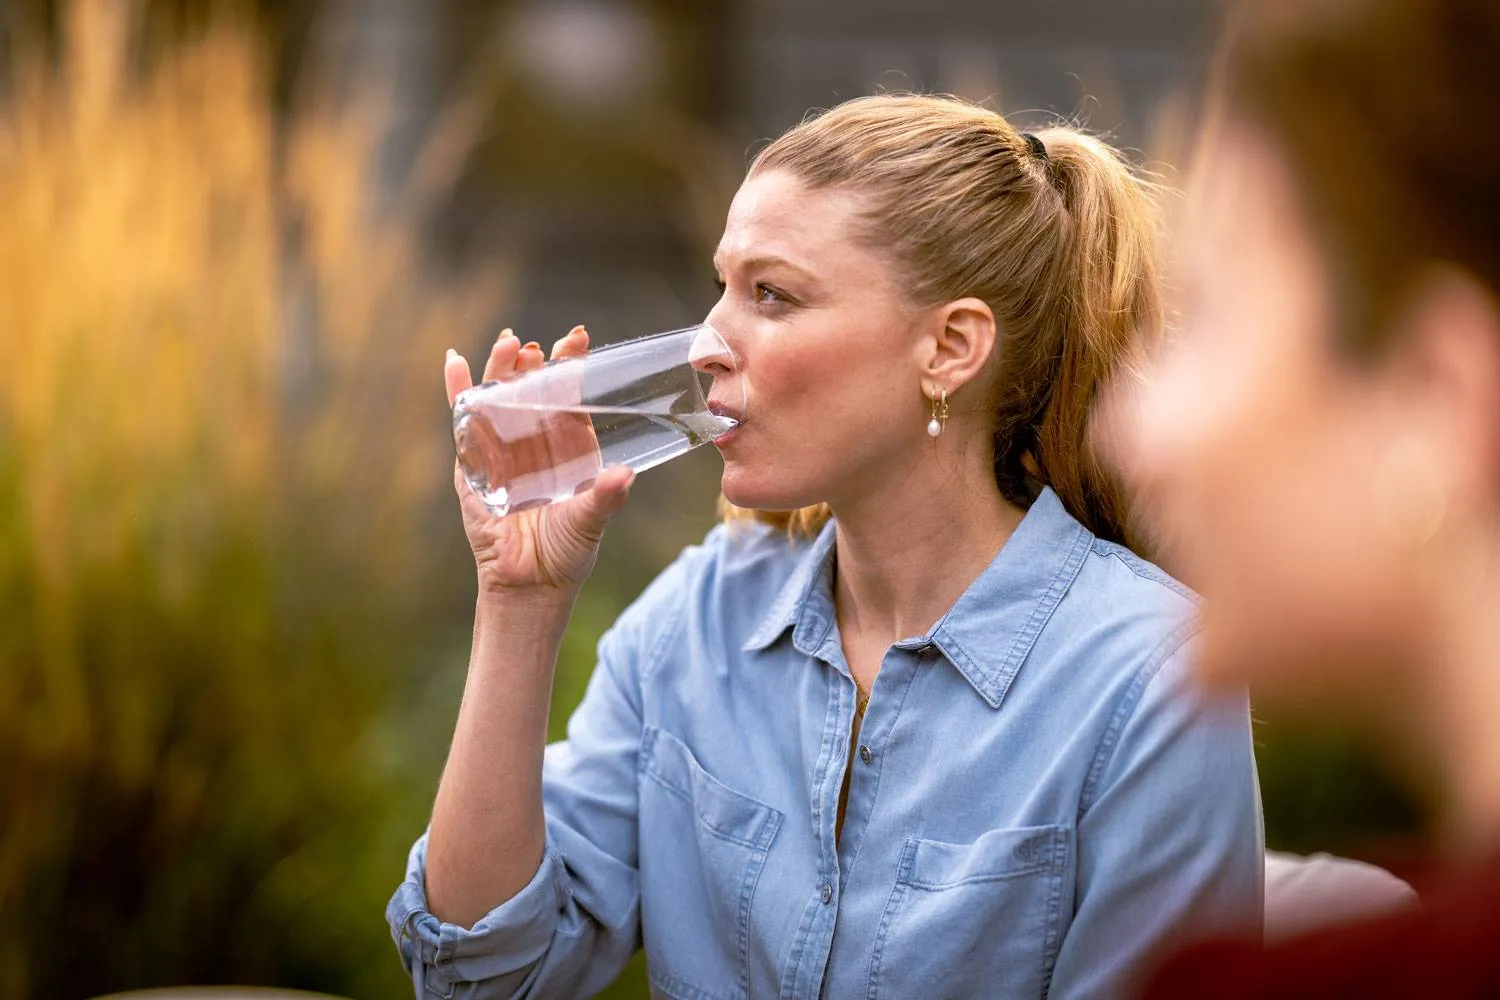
(590, 511)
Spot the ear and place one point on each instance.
(958, 346)
(1453, 357)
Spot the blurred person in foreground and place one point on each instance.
(913, 722)
(1322, 441)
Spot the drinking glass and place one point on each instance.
(544, 435)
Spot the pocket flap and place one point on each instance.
(999, 854)
(737, 817)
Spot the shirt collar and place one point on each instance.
(990, 629)
(805, 600)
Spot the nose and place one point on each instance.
(711, 354)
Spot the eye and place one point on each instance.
(766, 295)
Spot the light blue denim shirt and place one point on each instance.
(1037, 798)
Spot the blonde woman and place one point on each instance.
(913, 723)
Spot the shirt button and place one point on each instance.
(825, 892)
(865, 754)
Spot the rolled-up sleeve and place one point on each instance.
(498, 956)
(1170, 837)
(571, 930)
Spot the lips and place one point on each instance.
(721, 409)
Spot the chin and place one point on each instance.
(1293, 657)
(745, 489)
(1224, 660)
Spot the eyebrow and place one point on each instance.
(766, 261)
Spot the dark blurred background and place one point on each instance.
(235, 240)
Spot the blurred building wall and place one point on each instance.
(620, 257)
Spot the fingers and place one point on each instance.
(530, 357)
(502, 359)
(508, 356)
(456, 376)
(573, 344)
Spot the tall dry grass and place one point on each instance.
(219, 434)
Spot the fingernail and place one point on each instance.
(531, 345)
(507, 333)
(450, 355)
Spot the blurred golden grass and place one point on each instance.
(219, 430)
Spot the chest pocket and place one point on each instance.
(702, 848)
(965, 918)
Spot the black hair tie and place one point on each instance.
(1038, 148)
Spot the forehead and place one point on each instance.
(776, 214)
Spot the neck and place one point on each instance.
(906, 553)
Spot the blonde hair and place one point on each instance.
(1060, 241)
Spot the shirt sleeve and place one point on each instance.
(1170, 842)
(571, 930)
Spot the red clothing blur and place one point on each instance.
(1449, 948)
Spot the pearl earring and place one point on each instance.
(939, 415)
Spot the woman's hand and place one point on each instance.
(544, 549)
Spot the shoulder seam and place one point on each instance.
(1142, 570)
(1125, 709)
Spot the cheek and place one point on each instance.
(1302, 593)
(804, 367)
(788, 377)
(1249, 474)
(824, 407)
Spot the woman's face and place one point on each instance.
(1261, 457)
(827, 346)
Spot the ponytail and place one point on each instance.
(1112, 308)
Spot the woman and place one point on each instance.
(919, 730)
(1341, 328)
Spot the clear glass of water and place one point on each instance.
(546, 434)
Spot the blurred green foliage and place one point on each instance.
(1330, 785)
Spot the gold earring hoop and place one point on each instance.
(939, 415)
